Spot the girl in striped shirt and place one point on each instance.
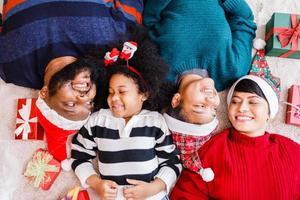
(137, 157)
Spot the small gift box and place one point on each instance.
(42, 170)
(27, 126)
(283, 36)
(77, 194)
(293, 108)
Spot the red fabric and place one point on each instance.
(265, 167)
(83, 195)
(56, 137)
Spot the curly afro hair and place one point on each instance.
(146, 60)
(68, 73)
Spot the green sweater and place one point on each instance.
(205, 34)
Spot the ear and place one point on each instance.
(145, 96)
(43, 92)
(175, 100)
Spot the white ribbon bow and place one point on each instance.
(24, 128)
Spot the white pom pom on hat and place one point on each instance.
(66, 164)
(207, 174)
(259, 44)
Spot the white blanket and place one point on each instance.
(15, 153)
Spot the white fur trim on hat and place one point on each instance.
(189, 128)
(268, 91)
(56, 119)
(259, 44)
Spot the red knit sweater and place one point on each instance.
(264, 167)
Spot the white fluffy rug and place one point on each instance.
(15, 153)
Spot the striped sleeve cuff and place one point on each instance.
(83, 171)
(168, 176)
(230, 5)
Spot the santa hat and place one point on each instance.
(131, 44)
(260, 73)
(57, 130)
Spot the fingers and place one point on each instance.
(110, 193)
(112, 184)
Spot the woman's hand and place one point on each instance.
(142, 190)
(106, 189)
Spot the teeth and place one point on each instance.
(81, 85)
(208, 90)
(243, 118)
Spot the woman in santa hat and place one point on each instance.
(248, 162)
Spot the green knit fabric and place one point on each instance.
(207, 34)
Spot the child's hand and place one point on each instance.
(106, 189)
(143, 190)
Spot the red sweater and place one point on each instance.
(264, 167)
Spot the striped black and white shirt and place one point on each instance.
(142, 149)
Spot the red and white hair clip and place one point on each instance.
(111, 56)
(129, 48)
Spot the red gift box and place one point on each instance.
(77, 194)
(293, 108)
(27, 126)
(42, 170)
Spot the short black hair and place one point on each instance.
(146, 60)
(250, 86)
(69, 72)
(177, 113)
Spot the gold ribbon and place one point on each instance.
(38, 166)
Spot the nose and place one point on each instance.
(243, 107)
(115, 97)
(84, 97)
(212, 101)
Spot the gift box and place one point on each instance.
(42, 170)
(293, 108)
(27, 126)
(283, 36)
(77, 194)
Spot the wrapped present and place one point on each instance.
(283, 36)
(77, 194)
(27, 126)
(293, 108)
(42, 170)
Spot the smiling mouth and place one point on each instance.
(117, 107)
(83, 87)
(200, 112)
(243, 118)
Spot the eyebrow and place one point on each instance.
(120, 86)
(250, 97)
